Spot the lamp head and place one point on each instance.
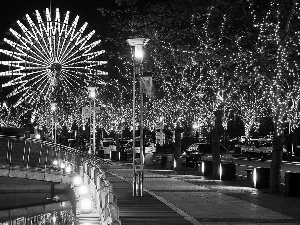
(53, 106)
(137, 45)
(92, 92)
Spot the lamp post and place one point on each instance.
(92, 95)
(3, 106)
(137, 45)
(53, 109)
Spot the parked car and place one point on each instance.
(108, 145)
(204, 152)
(225, 154)
(149, 147)
(269, 137)
(261, 148)
(193, 147)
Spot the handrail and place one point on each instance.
(31, 152)
(51, 151)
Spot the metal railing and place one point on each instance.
(29, 153)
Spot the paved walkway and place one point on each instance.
(172, 198)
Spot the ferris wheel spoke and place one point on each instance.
(49, 54)
(79, 33)
(22, 38)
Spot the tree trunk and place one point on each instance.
(177, 152)
(117, 138)
(216, 144)
(275, 176)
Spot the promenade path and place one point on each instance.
(172, 197)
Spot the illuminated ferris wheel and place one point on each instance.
(42, 57)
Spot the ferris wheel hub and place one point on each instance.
(56, 67)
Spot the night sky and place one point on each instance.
(13, 10)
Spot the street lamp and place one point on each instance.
(137, 45)
(92, 96)
(53, 109)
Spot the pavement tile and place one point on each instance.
(187, 199)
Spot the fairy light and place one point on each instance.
(189, 83)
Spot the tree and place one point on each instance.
(207, 54)
(275, 67)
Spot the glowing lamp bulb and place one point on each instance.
(86, 205)
(55, 162)
(138, 53)
(62, 165)
(93, 94)
(53, 106)
(83, 190)
(54, 219)
(68, 169)
(77, 180)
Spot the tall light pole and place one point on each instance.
(137, 45)
(92, 96)
(53, 109)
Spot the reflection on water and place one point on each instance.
(56, 217)
(28, 202)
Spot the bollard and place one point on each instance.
(164, 161)
(198, 166)
(207, 168)
(101, 153)
(249, 174)
(167, 161)
(113, 155)
(237, 149)
(179, 164)
(190, 162)
(292, 184)
(261, 177)
(227, 171)
(137, 183)
(123, 156)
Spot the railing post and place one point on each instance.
(40, 155)
(24, 153)
(47, 157)
(9, 152)
(28, 156)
